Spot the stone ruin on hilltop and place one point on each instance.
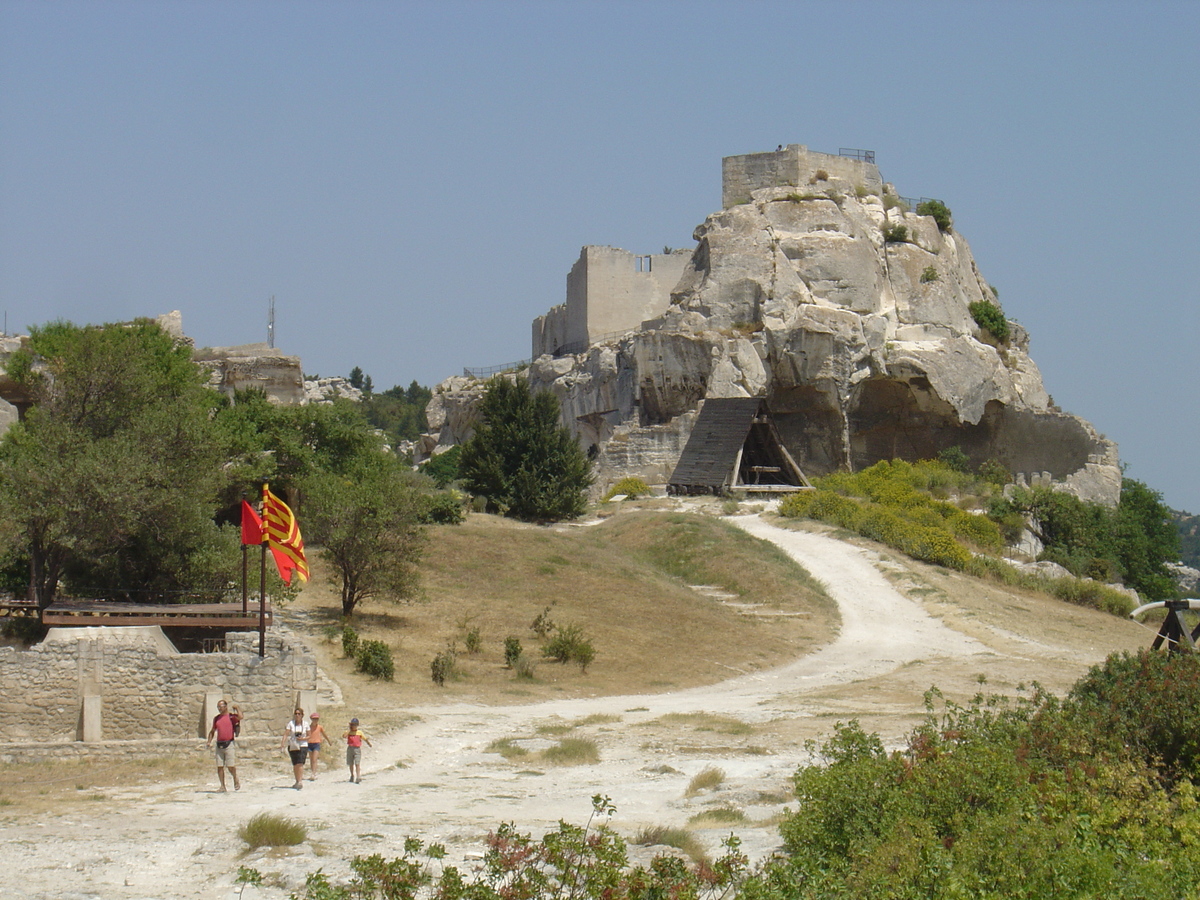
(817, 288)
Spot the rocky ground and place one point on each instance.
(437, 774)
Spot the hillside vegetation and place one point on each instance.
(627, 583)
(939, 513)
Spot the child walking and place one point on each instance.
(354, 740)
(316, 737)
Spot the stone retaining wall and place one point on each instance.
(106, 686)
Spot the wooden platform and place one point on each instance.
(17, 606)
(191, 615)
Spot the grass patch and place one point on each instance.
(705, 780)
(567, 752)
(665, 836)
(271, 830)
(598, 719)
(571, 752)
(507, 748)
(703, 721)
(719, 815)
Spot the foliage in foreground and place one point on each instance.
(1094, 795)
(572, 862)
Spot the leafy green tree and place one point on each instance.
(356, 378)
(522, 459)
(1134, 542)
(399, 412)
(112, 480)
(1146, 540)
(443, 468)
(367, 524)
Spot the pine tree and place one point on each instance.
(522, 459)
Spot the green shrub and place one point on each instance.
(443, 666)
(891, 201)
(938, 210)
(442, 508)
(443, 467)
(990, 317)
(895, 234)
(473, 642)
(512, 651)
(271, 830)
(374, 658)
(631, 487)
(349, 642)
(570, 645)
(955, 458)
(1150, 702)
(928, 274)
(994, 471)
(542, 624)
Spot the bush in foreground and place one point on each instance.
(1038, 798)
(573, 861)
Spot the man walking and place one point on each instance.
(225, 728)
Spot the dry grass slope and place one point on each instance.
(628, 582)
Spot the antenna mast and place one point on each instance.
(271, 323)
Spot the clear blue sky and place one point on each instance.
(412, 181)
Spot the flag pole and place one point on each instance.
(245, 569)
(262, 602)
(262, 590)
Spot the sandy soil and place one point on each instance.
(905, 627)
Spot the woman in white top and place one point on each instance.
(295, 741)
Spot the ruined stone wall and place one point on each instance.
(112, 688)
(609, 291)
(793, 165)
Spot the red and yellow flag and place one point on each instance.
(282, 534)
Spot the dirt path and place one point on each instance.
(436, 778)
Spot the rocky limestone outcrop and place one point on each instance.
(326, 390)
(865, 347)
(259, 366)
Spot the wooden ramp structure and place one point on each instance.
(180, 615)
(735, 448)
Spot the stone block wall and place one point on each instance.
(793, 165)
(609, 291)
(101, 689)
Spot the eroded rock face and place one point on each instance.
(260, 366)
(865, 349)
